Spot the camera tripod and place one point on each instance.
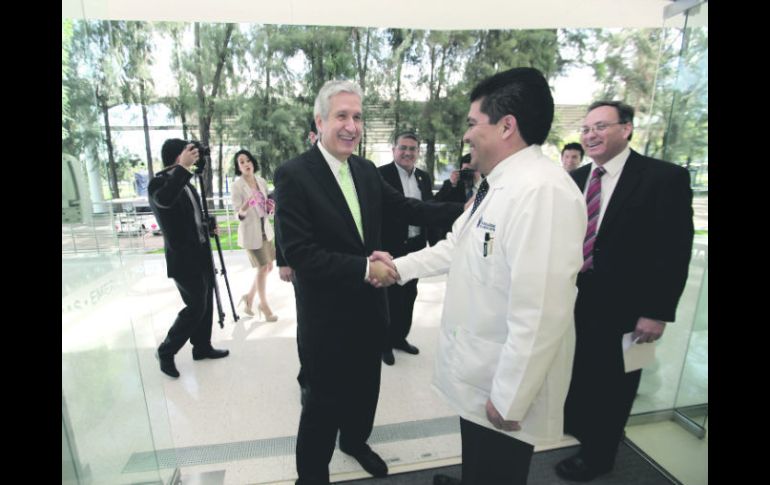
(199, 167)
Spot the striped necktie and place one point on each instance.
(349, 191)
(593, 204)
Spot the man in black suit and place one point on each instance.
(399, 238)
(176, 206)
(636, 264)
(329, 206)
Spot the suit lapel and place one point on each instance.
(393, 178)
(323, 175)
(628, 181)
(357, 171)
(580, 176)
(474, 219)
(423, 183)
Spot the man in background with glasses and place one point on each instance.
(636, 257)
(399, 238)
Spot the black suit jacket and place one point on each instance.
(642, 250)
(186, 256)
(451, 194)
(395, 229)
(339, 315)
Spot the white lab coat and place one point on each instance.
(507, 328)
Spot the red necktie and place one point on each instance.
(593, 204)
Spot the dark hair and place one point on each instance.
(313, 127)
(249, 156)
(171, 149)
(406, 134)
(522, 92)
(625, 112)
(574, 146)
(465, 159)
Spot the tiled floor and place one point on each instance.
(675, 449)
(253, 394)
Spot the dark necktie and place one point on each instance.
(483, 189)
(593, 204)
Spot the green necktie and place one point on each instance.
(349, 191)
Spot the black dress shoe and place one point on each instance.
(445, 480)
(167, 365)
(211, 353)
(576, 469)
(370, 461)
(388, 358)
(407, 347)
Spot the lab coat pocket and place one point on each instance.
(475, 359)
(486, 261)
(481, 257)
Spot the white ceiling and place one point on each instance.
(420, 14)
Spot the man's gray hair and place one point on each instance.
(331, 88)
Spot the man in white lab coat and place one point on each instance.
(507, 334)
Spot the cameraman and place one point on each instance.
(460, 187)
(176, 206)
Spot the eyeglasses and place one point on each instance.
(405, 148)
(599, 127)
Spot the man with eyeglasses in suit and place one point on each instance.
(399, 238)
(636, 258)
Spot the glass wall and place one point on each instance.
(679, 377)
(112, 408)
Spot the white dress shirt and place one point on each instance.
(411, 189)
(335, 165)
(614, 168)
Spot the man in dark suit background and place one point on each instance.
(329, 206)
(572, 156)
(400, 238)
(176, 205)
(636, 264)
(461, 186)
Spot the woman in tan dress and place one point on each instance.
(255, 233)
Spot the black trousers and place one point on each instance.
(601, 393)
(401, 298)
(492, 458)
(401, 308)
(345, 401)
(194, 322)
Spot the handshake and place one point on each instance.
(382, 271)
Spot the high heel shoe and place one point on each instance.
(248, 311)
(269, 316)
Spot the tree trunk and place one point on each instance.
(146, 125)
(183, 115)
(430, 157)
(221, 173)
(206, 105)
(113, 174)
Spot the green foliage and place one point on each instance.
(66, 39)
(253, 86)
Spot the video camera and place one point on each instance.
(204, 152)
(467, 176)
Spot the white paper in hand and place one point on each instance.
(637, 355)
